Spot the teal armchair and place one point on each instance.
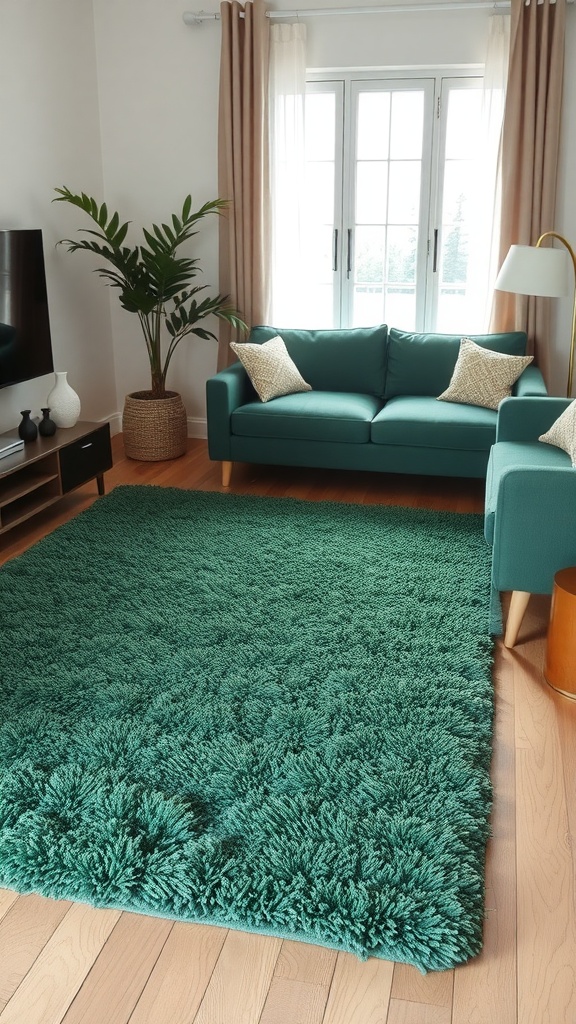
(530, 511)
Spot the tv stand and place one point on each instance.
(50, 467)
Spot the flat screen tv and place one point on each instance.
(25, 343)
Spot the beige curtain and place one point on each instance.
(243, 163)
(530, 144)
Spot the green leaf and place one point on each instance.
(121, 234)
(152, 242)
(169, 233)
(186, 208)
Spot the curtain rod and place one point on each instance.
(197, 17)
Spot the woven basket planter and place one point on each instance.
(154, 429)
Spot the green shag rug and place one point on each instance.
(266, 714)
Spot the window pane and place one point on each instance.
(317, 251)
(401, 262)
(455, 250)
(407, 125)
(314, 309)
(368, 306)
(459, 303)
(320, 139)
(373, 125)
(371, 188)
(320, 192)
(401, 308)
(452, 310)
(369, 255)
(404, 198)
(463, 119)
(459, 185)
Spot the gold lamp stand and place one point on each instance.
(560, 238)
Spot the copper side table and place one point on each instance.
(560, 667)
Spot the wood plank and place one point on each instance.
(121, 971)
(404, 1012)
(55, 977)
(24, 931)
(180, 976)
(301, 983)
(434, 988)
(546, 922)
(7, 899)
(360, 991)
(485, 987)
(241, 979)
(294, 1002)
(301, 961)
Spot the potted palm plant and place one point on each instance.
(154, 282)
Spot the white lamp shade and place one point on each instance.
(533, 270)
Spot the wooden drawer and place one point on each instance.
(85, 458)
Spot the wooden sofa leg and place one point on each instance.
(518, 605)
(226, 473)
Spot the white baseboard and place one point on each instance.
(196, 425)
(115, 421)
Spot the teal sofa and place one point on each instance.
(530, 508)
(373, 405)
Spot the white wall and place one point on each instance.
(158, 82)
(388, 40)
(153, 82)
(50, 135)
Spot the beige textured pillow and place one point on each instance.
(562, 433)
(270, 368)
(482, 377)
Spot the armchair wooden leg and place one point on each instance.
(226, 473)
(518, 605)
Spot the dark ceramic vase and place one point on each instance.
(27, 429)
(46, 427)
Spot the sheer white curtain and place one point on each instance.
(287, 95)
(485, 238)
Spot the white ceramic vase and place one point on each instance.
(63, 402)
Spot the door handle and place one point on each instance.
(335, 249)
(349, 255)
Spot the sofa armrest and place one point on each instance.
(224, 392)
(524, 419)
(530, 382)
(534, 528)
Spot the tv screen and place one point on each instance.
(25, 344)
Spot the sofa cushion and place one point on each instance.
(337, 360)
(270, 368)
(509, 455)
(483, 377)
(562, 433)
(311, 416)
(423, 422)
(423, 364)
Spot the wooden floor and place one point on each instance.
(63, 963)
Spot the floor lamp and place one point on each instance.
(534, 270)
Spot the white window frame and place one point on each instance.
(434, 81)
